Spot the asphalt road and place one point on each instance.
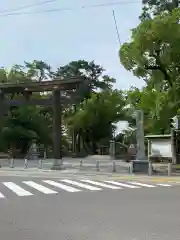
(128, 214)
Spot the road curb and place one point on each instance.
(75, 173)
(150, 179)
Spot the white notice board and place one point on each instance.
(161, 147)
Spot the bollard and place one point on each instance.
(114, 166)
(12, 163)
(131, 167)
(81, 163)
(150, 169)
(40, 164)
(25, 163)
(97, 166)
(45, 155)
(169, 169)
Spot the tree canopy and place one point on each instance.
(90, 119)
(153, 55)
(153, 8)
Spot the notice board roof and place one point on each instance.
(158, 136)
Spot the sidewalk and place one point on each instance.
(34, 172)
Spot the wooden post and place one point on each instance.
(57, 163)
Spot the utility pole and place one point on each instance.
(117, 31)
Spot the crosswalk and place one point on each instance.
(57, 186)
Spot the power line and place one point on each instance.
(117, 31)
(4, 14)
(27, 6)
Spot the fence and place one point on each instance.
(101, 164)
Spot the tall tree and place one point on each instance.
(38, 70)
(153, 8)
(157, 107)
(94, 118)
(23, 123)
(153, 53)
(92, 73)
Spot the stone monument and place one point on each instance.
(141, 162)
(140, 135)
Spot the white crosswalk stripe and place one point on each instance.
(72, 186)
(164, 185)
(79, 184)
(122, 184)
(2, 196)
(101, 184)
(17, 189)
(142, 184)
(62, 186)
(39, 187)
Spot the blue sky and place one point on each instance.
(60, 37)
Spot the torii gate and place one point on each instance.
(56, 86)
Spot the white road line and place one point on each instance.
(2, 196)
(164, 185)
(62, 186)
(39, 187)
(17, 189)
(142, 184)
(122, 184)
(86, 186)
(101, 184)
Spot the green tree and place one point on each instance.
(92, 73)
(23, 123)
(38, 70)
(15, 75)
(95, 112)
(153, 8)
(94, 81)
(153, 54)
(157, 108)
(94, 118)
